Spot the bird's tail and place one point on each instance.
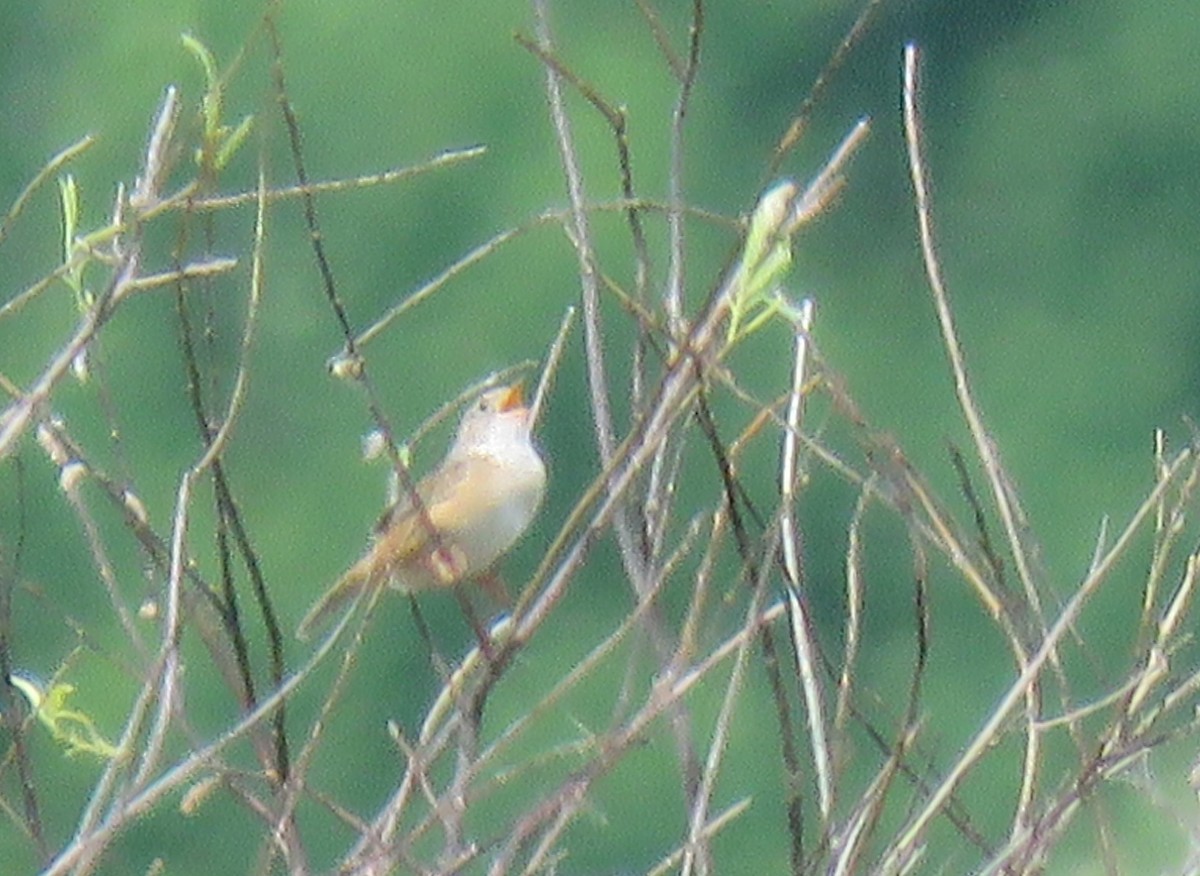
(357, 578)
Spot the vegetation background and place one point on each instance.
(1064, 141)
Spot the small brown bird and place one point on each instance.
(476, 504)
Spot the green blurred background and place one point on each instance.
(1064, 142)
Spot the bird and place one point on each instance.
(472, 509)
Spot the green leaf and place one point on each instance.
(766, 260)
(212, 85)
(74, 730)
(232, 141)
(220, 142)
(74, 256)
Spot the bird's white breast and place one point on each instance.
(512, 507)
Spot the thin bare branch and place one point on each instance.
(51, 167)
(985, 446)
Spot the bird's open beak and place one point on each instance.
(512, 398)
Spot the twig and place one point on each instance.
(695, 849)
(915, 828)
(673, 293)
(800, 623)
(17, 417)
(550, 367)
(998, 480)
(48, 170)
(800, 122)
(449, 158)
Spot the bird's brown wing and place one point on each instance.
(401, 534)
(433, 489)
(459, 491)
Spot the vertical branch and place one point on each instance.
(984, 445)
(633, 556)
(582, 240)
(803, 637)
(673, 296)
(351, 363)
(854, 610)
(695, 849)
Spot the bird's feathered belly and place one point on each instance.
(501, 527)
